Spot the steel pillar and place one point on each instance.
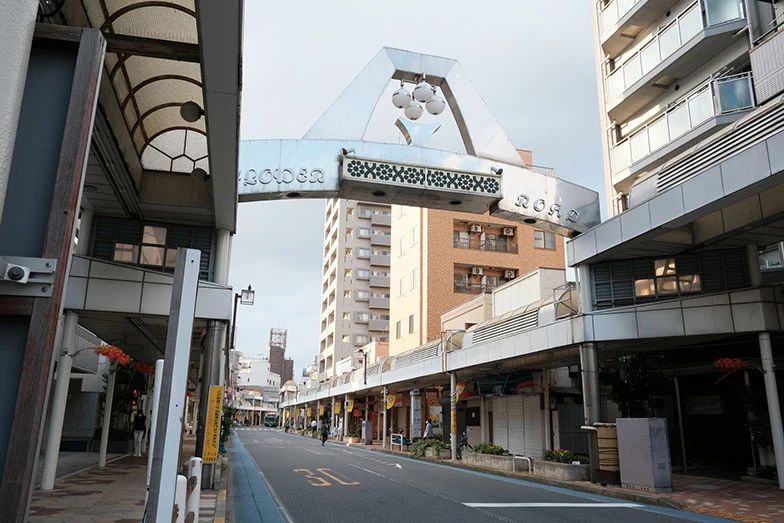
(774, 409)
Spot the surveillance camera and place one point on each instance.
(346, 152)
(13, 273)
(497, 170)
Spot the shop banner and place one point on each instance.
(391, 398)
(350, 405)
(212, 427)
(459, 389)
(321, 410)
(338, 405)
(308, 412)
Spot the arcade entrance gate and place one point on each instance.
(334, 160)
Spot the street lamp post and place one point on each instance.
(246, 297)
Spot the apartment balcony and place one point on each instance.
(473, 288)
(381, 219)
(486, 245)
(379, 281)
(620, 21)
(380, 260)
(381, 239)
(378, 325)
(767, 62)
(712, 105)
(379, 303)
(695, 35)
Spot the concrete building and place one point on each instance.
(123, 127)
(279, 364)
(255, 372)
(441, 259)
(670, 74)
(355, 285)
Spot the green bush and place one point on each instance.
(419, 446)
(489, 448)
(564, 456)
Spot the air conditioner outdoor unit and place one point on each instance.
(475, 227)
(510, 274)
(508, 231)
(477, 271)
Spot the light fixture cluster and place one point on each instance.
(424, 93)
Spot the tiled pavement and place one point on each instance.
(114, 494)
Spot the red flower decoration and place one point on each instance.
(729, 365)
(113, 353)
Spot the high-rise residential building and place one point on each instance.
(355, 284)
(441, 259)
(670, 73)
(279, 364)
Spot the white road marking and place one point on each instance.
(398, 465)
(368, 470)
(313, 451)
(552, 505)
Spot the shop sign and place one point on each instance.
(212, 426)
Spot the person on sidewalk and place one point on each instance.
(324, 432)
(139, 428)
(428, 430)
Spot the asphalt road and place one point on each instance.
(283, 477)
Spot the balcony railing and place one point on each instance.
(474, 288)
(614, 11)
(486, 245)
(669, 39)
(713, 98)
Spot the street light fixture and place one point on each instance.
(246, 297)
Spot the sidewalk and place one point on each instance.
(114, 494)
(734, 500)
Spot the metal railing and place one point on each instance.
(712, 98)
(485, 245)
(474, 288)
(697, 16)
(612, 11)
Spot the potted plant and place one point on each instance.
(490, 456)
(431, 448)
(562, 464)
(352, 438)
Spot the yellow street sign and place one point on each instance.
(212, 426)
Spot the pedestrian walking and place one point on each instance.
(139, 428)
(313, 425)
(324, 432)
(428, 430)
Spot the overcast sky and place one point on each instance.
(531, 61)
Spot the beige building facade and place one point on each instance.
(670, 74)
(441, 259)
(355, 280)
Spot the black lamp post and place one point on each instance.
(246, 297)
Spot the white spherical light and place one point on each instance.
(436, 105)
(423, 92)
(413, 111)
(401, 98)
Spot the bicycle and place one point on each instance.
(462, 444)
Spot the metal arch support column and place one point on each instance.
(59, 400)
(453, 413)
(345, 416)
(774, 409)
(384, 425)
(589, 369)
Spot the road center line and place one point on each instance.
(552, 505)
(367, 470)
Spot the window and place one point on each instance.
(667, 281)
(414, 278)
(126, 253)
(363, 295)
(411, 324)
(462, 239)
(415, 234)
(346, 315)
(363, 317)
(544, 240)
(363, 274)
(380, 253)
(345, 338)
(364, 232)
(361, 339)
(400, 287)
(400, 246)
(363, 253)
(398, 330)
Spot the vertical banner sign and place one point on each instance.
(321, 410)
(391, 398)
(308, 412)
(337, 407)
(213, 424)
(459, 389)
(350, 405)
(416, 414)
